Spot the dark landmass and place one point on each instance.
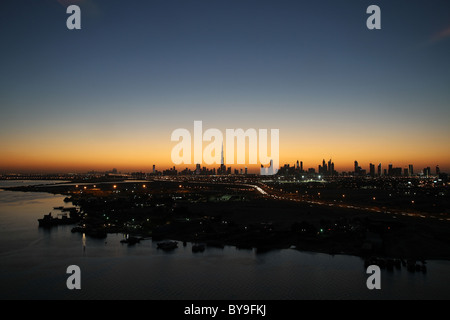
(235, 213)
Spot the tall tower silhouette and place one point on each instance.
(222, 163)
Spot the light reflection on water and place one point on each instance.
(33, 264)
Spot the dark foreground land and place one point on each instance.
(238, 215)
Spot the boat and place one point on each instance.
(48, 221)
(411, 265)
(244, 246)
(66, 220)
(78, 229)
(215, 244)
(131, 240)
(198, 248)
(96, 233)
(167, 245)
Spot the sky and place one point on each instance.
(110, 95)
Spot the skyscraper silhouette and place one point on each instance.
(223, 169)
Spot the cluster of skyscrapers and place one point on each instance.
(326, 169)
(392, 171)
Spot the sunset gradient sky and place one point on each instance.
(110, 95)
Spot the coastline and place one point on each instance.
(269, 225)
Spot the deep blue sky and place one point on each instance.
(310, 68)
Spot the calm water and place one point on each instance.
(33, 264)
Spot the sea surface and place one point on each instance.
(34, 261)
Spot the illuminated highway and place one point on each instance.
(270, 192)
(279, 195)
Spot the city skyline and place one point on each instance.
(253, 150)
(109, 95)
(324, 168)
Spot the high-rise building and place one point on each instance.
(268, 171)
(396, 172)
(154, 169)
(301, 166)
(438, 171)
(410, 170)
(358, 170)
(330, 171)
(379, 169)
(372, 170)
(223, 168)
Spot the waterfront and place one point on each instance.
(34, 261)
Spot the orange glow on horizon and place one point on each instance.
(140, 161)
(133, 152)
